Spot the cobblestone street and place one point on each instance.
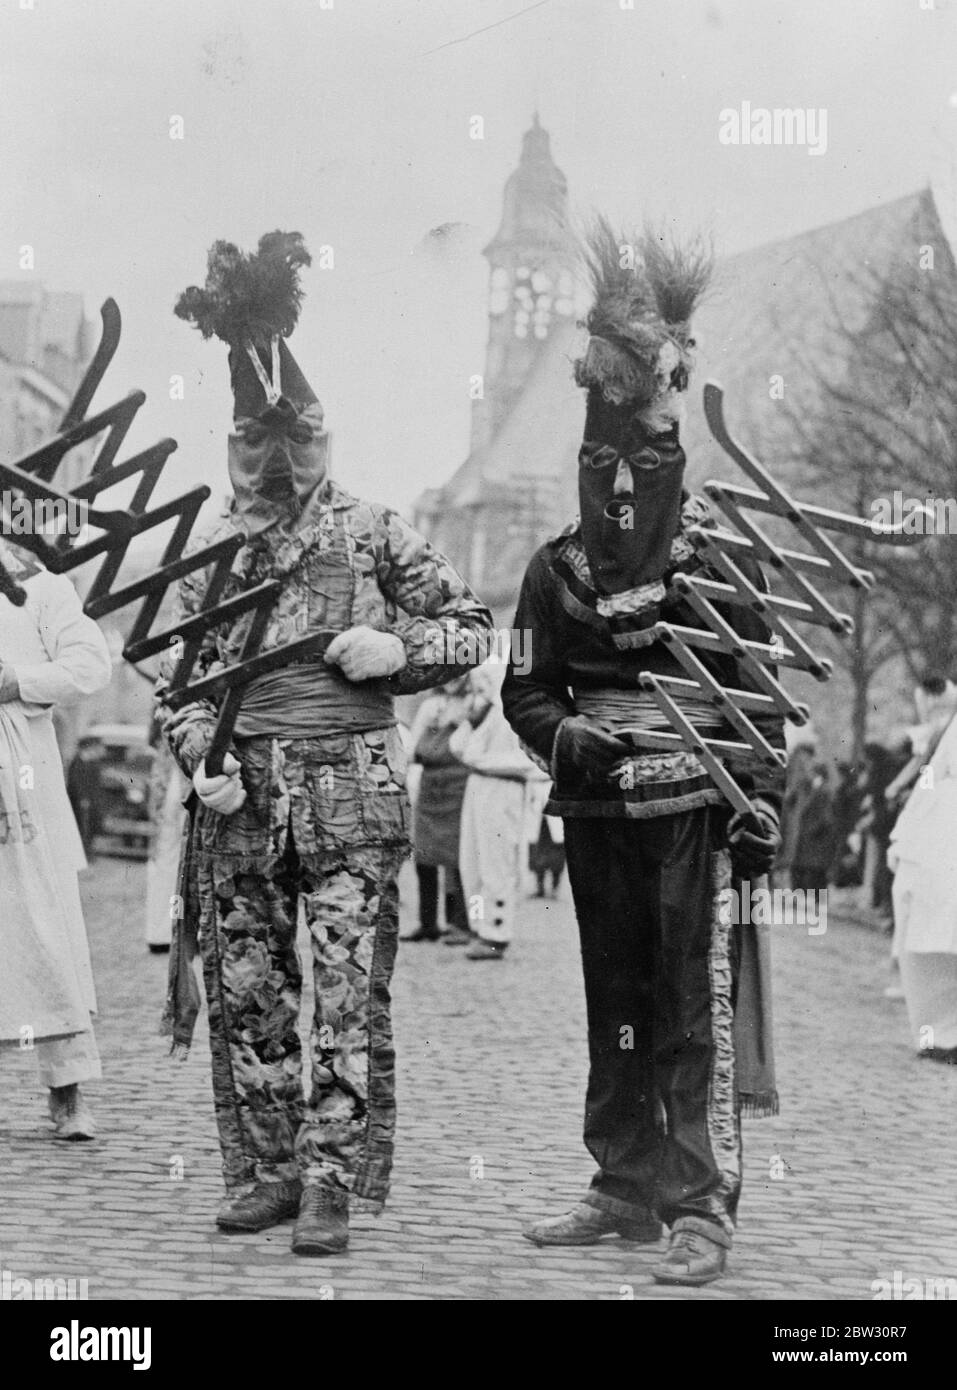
(852, 1182)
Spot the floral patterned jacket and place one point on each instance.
(355, 563)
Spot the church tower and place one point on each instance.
(532, 280)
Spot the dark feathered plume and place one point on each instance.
(646, 288)
(678, 275)
(248, 297)
(622, 295)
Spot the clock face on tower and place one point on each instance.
(565, 302)
(534, 300)
(536, 294)
(498, 298)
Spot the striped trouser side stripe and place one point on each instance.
(723, 1130)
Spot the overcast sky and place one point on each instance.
(351, 125)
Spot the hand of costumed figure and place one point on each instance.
(585, 746)
(363, 654)
(754, 838)
(224, 793)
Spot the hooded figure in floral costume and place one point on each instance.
(651, 846)
(310, 808)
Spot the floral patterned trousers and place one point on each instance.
(343, 1125)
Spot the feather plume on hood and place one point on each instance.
(248, 298)
(278, 450)
(646, 288)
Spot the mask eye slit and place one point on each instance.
(646, 459)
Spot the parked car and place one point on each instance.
(108, 785)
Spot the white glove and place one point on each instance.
(893, 858)
(362, 654)
(224, 793)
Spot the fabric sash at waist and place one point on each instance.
(310, 699)
(637, 709)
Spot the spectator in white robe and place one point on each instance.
(492, 845)
(50, 653)
(921, 857)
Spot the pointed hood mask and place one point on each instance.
(278, 453)
(635, 368)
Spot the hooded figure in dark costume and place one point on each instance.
(631, 466)
(311, 807)
(651, 846)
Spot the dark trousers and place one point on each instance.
(812, 878)
(661, 1119)
(455, 913)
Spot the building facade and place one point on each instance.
(46, 342)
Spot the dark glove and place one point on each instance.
(754, 838)
(586, 748)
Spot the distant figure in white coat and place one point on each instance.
(50, 653)
(921, 857)
(492, 846)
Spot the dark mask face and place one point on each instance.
(275, 473)
(276, 484)
(629, 488)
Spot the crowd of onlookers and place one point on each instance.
(887, 825)
(836, 822)
(478, 816)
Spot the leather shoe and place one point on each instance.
(587, 1225)
(486, 950)
(691, 1258)
(266, 1205)
(70, 1114)
(422, 934)
(322, 1227)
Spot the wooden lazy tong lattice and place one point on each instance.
(32, 476)
(798, 569)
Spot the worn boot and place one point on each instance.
(696, 1254)
(70, 1114)
(587, 1225)
(323, 1224)
(266, 1204)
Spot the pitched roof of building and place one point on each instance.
(777, 311)
(535, 204)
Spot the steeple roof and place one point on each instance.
(535, 208)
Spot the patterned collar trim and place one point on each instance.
(259, 554)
